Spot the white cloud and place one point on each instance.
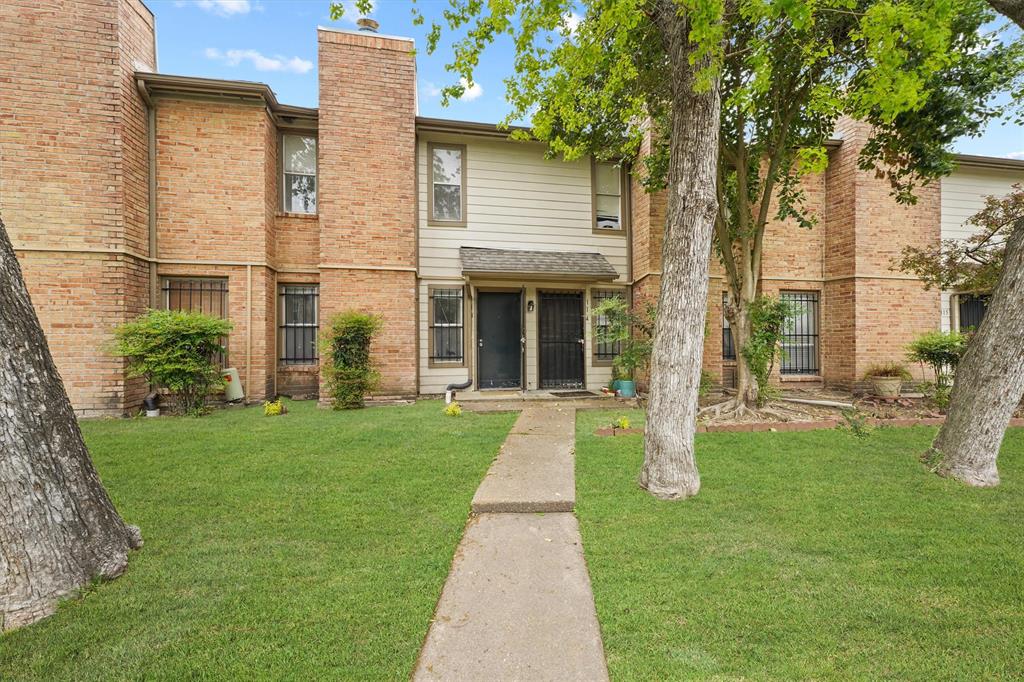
(472, 91)
(260, 61)
(352, 12)
(431, 89)
(224, 8)
(572, 21)
(1015, 155)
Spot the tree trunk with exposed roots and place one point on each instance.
(669, 469)
(58, 528)
(989, 381)
(746, 383)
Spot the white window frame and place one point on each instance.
(285, 173)
(621, 229)
(431, 216)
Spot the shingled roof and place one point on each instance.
(552, 264)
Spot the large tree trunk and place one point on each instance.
(58, 528)
(669, 469)
(989, 381)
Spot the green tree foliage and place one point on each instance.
(176, 350)
(971, 264)
(348, 371)
(921, 73)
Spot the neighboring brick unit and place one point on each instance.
(73, 186)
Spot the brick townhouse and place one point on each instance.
(124, 188)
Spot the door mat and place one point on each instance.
(574, 394)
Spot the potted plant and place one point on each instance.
(887, 379)
(631, 328)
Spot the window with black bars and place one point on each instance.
(604, 350)
(199, 295)
(728, 350)
(446, 325)
(800, 336)
(299, 324)
(971, 309)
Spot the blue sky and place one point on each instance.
(274, 42)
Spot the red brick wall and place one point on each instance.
(73, 188)
(298, 241)
(647, 224)
(212, 196)
(870, 312)
(367, 189)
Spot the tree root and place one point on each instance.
(735, 410)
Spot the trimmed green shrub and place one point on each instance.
(348, 373)
(176, 350)
(941, 351)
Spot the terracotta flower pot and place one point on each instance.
(887, 387)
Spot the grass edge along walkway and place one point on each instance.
(307, 546)
(816, 555)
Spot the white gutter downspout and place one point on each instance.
(154, 280)
(248, 328)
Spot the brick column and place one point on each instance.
(367, 192)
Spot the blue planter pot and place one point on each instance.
(615, 384)
(627, 389)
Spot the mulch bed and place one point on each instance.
(795, 426)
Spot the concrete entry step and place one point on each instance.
(534, 470)
(517, 605)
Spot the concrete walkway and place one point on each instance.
(517, 604)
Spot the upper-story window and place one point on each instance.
(607, 182)
(299, 164)
(447, 184)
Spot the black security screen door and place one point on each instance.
(561, 340)
(499, 339)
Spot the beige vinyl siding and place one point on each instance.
(964, 192)
(963, 195)
(515, 199)
(434, 379)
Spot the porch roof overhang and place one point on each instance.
(518, 264)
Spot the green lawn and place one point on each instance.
(811, 555)
(308, 546)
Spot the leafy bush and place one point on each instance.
(621, 423)
(176, 350)
(453, 410)
(937, 395)
(941, 351)
(632, 328)
(348, 373)
(706, 381)
(892, 370)
(768, 319)
(273, 408)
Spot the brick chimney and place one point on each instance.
(367, 191)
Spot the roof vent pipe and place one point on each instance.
(367, 24)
